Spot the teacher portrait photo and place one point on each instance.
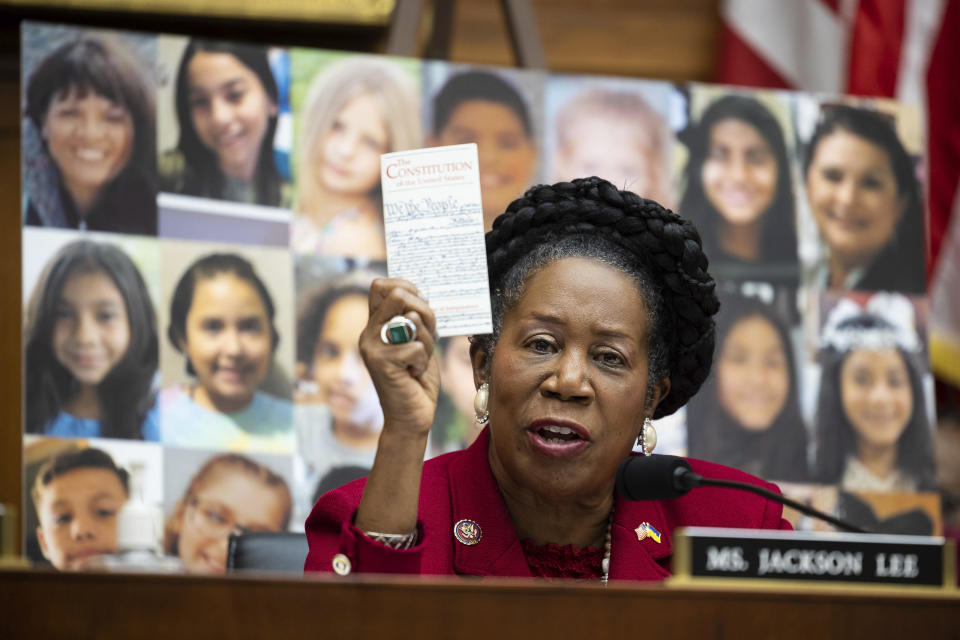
(89, 134)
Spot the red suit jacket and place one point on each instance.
(460, 485)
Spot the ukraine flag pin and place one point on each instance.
(646, 530)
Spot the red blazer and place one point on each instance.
(460, 485)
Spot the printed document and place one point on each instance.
(434, 231)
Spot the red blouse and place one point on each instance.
(567, 561)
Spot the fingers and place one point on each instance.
(381, 288)
(393, 297)
(424, 334)
(411, 356)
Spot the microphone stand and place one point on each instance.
(700, 481)
(668, 477)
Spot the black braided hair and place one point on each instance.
(665, 250)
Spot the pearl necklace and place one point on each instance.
(605, 563)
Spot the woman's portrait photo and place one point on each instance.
(211, 497)
(616, 130)
(499, 111)
(873, 430)
(88, 130)
(219, 120)
(349, 110)
(226, 378)
(90, 336)
(737, 186)
(865, 200)
(747, 414)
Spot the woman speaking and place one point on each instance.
(603, 320)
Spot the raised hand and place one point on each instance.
(407, 378)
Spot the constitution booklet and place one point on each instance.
(433, 218)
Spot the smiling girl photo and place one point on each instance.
(872, 428)
(355, 109)
(223, 322)
(91, 346)
(748, 414)
(226, 493)
(226, 100)
(737, 187)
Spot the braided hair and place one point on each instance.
(661, 251)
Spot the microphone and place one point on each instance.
(655, 478)
(668, 477)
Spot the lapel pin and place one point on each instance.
(467, 532)
(646, 530)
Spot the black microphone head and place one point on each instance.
(652, 477)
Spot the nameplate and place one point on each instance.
(703, 552)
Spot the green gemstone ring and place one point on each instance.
(398, 330)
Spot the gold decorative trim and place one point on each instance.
(950, 565)
(369, 12)
(945, 357)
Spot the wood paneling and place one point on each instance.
(10, 315)
(49, 605)
(671, 39)
(347, 11)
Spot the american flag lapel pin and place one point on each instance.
(646, 530)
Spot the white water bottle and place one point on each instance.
(139, 535)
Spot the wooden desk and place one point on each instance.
(50, 605)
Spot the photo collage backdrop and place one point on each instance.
(202, 220)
